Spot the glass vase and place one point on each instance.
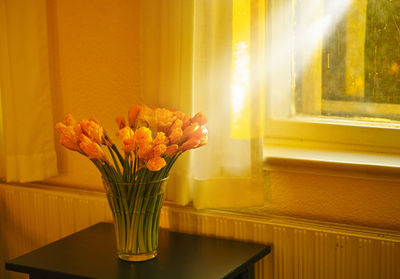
(136, 211)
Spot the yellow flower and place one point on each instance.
(199, 118)
(91, 148)
(159, 150)
(68, 137)
(133, 114)
(143, 136)
(155, 163)
(92, 129)
(175, 131)
(171, 150)
(128, 140)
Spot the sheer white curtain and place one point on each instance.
(189, 53)
(27, 137)
(228, 88)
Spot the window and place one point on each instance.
(335, 73)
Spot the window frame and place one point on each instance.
(285, 130)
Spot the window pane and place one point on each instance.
(355, 71)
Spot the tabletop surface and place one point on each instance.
(91, 253)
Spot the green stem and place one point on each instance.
(137, 205)
(113, 201)
(136, 211)
(122, 202)
(149, 224)
(121, 159)
(125, 173)
(143, 212)
(113, 184)
(114, 160)
(134, 169)
(156, 219)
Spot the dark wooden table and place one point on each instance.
(91, 253)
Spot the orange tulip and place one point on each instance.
(199, 118)
(144, 152)
(65, 130)
(143, 136)
(159, 150)
(71, 145)
(204, 137)
(187, 133)
(69, 120)
(125, 132)
(171, 150)
(175, 131)
(160, 139)
(200, 133)
(184, 117)
(156, 163)
(128, 145)
(128, 140)
(68, 137)
(78, 130)
(93, 119)
(133, 114)
(152, 135)
(164, 118)
(120, 122)
(190, 144)
(92, 129)
(197, 139)
(91, 148)
(146, 116)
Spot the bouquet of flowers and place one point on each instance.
(152, 140)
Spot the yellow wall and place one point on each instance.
(95, 71)
(336, 198)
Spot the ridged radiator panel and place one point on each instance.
(33, 217)
(303, 251)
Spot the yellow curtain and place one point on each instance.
(27, 137)
(197, 57)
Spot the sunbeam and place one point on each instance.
(297, 30)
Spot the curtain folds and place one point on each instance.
(27, 137)
(166, 72)
(207, 56)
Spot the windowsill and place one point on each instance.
(335, 162)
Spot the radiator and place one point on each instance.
(31, 217)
